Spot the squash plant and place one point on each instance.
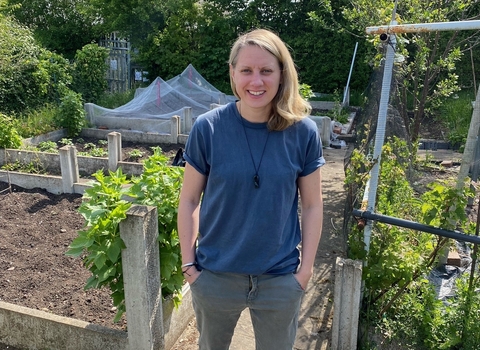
(105, 205)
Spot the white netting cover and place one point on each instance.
(193, 85)
(160, 101)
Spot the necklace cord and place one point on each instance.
(256, 178)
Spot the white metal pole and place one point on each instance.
(349, 75)
(424, 27)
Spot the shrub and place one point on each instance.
(9, 137)
(89, 70)
(71, 114)
(29, 74)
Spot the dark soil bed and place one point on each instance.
(129, 149)
(36, 228)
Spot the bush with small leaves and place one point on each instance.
(9, 137)
(71, 114)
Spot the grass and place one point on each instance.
(357, 98)
(36, 122)
(456, 114)
(116, 100)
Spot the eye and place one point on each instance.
(245, 70)
(267, 71)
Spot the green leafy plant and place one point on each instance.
(398, 299)
(306, 91)
(9, 137)
(66, 142)
(71, 114)
(455, 114)
(97, 152)
(159, 185)
(135, 154)
(89, 71)
(30, 75)
(89, 145)
(105, 206)
(47, 146)
(33, 167)
(339, 113)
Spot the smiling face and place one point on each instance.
(256, 76)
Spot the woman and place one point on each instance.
(246, 163)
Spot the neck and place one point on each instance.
(254, 115)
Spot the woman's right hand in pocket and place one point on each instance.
(191, 274)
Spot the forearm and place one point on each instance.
(188, 222)
(312, 221)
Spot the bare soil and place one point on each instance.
(36, 228)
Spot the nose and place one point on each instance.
(257, 79)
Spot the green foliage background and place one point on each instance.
(89, 70)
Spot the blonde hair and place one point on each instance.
(288, 105)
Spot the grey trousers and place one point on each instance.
(273, 301)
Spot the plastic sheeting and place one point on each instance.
(443, 277)
(163, 99)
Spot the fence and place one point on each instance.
(118, 75)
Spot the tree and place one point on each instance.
(172, 48)
(29, 75)
(426, 63)
(61, 26)
(89, 72)
(322, 56)
(137, 20)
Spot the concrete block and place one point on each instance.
(348, 281)
(324, 128)
(141, 276)
(34, 329)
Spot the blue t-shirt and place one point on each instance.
(244, 229)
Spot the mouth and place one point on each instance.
(256, 93)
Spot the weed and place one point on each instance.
(89, 145)
(36, 121)
(34, 167)
(97, 152)
(66, 142)
(116, 99)
(47, 146)
(135, 154)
